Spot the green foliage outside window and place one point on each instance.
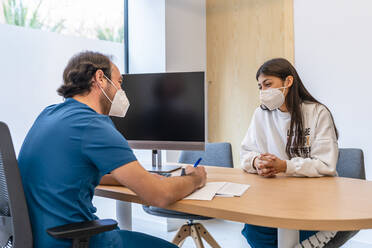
(110, 34)
(15, 13)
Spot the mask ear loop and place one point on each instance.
(104, 92)
(110, 82)
(284, 89)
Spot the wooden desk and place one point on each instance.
(328, 203)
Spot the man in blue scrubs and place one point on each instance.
(72, 147)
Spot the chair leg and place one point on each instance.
(207, 236)
(181, 244)
(196, 237)
(181, 235)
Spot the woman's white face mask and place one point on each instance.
(120, 103)
(272, 98)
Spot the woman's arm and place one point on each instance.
(249, 149)
(324, 151)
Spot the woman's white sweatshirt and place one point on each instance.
(268, 134)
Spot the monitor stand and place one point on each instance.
(157, 166)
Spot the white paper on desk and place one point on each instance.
(226, 196)
(232, 189)
(207, 192)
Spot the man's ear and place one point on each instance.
(98, 76)
(288, 81)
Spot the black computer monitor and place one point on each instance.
(167, 111)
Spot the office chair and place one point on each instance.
(15, 226)
(350, 164)
(217, 154)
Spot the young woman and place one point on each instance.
(292, 133)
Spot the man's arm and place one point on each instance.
(108, 179)
(152, 189)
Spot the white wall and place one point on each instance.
(185, 41)
(333, 56)
(166, 35)
(31, 65)
(146, 20)
(185, 35)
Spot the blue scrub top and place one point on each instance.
(65, 154)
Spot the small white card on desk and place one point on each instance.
(224, 189)
(207, 192)
(233, 189)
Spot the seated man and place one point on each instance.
(72, 146)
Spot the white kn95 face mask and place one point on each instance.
(272, 98)
(120, 103)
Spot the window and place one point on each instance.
(93, 19)
(38, 37)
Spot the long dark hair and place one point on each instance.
(297, 94)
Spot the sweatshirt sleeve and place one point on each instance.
(249, 149)
(324, 151)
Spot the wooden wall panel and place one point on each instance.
(241, 35)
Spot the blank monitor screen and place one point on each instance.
(165, 109)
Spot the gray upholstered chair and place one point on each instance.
(217, 154)
(15, 226)
(350, 164)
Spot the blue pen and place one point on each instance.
(183, 171)
(197, 162)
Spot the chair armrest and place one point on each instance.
(82, 229)
(162, 212)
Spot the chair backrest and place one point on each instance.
(217, 154)
(13, 207)
(351, 163)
